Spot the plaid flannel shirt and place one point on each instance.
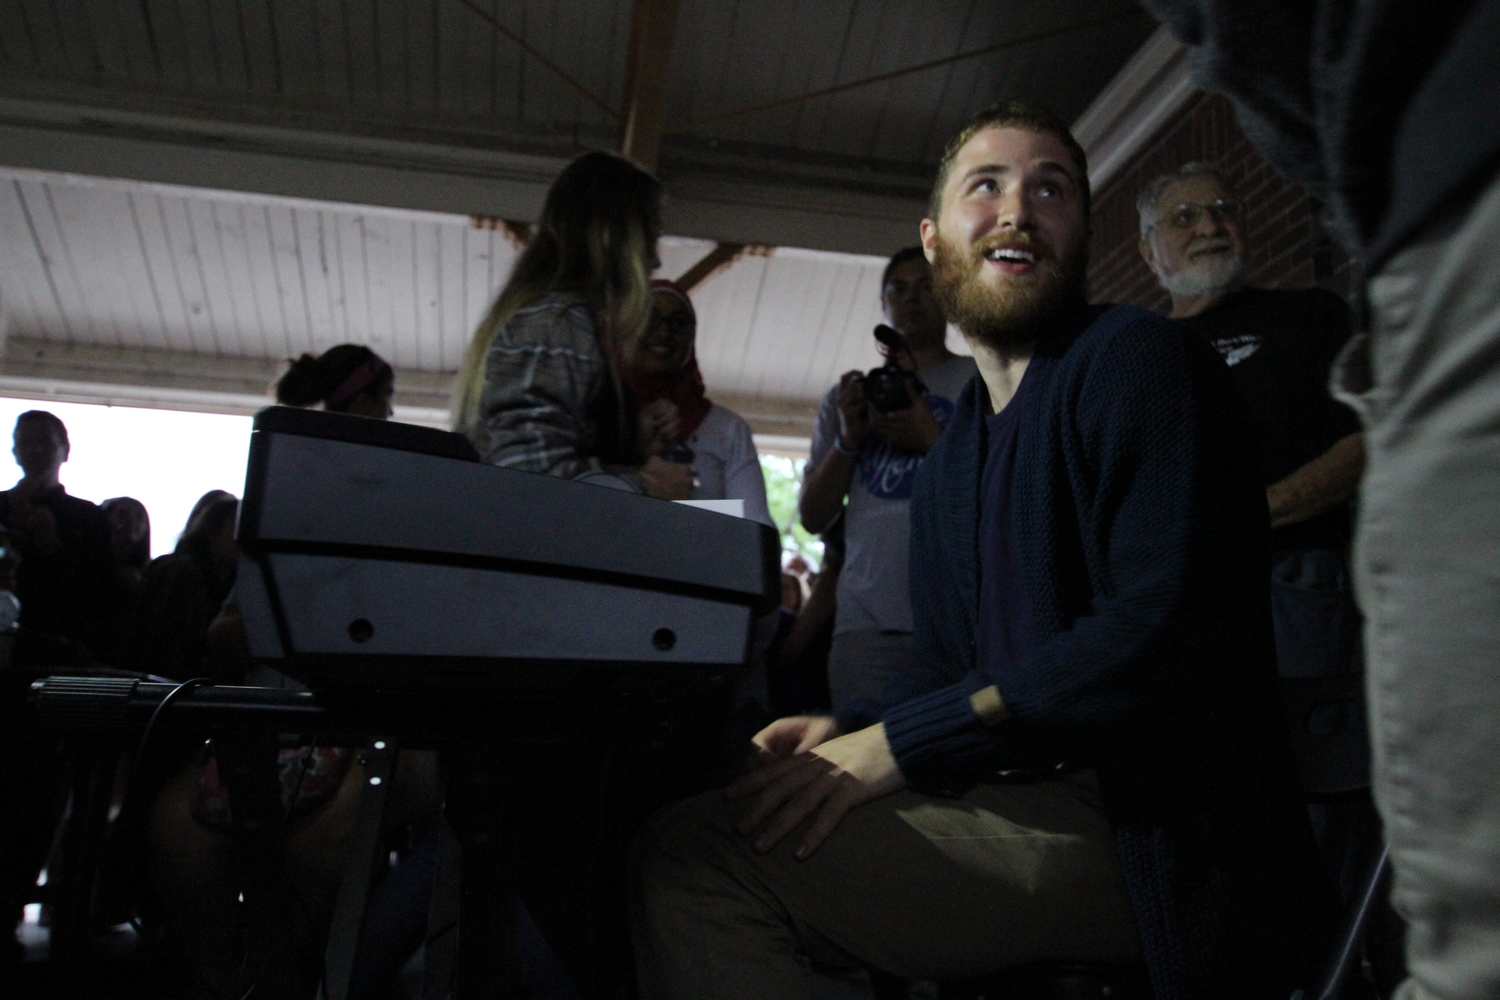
(542, 375)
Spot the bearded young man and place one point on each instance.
(1085, 761)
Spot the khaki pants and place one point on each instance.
(920, 887)
(1427, 573)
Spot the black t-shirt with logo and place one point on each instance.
(1280, 345)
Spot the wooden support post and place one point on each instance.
(720, 257)
(652, 28)
(518, 234)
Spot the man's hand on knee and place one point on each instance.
(790, 736)
(801, 776)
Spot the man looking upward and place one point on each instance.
(1085, 760)
(1280, 346)
(872, 458)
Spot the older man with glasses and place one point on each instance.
(1279, 345)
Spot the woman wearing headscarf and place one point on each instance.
(664, 382)
(129, 556)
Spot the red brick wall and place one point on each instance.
(1288, 246)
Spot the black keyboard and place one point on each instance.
(384, 554)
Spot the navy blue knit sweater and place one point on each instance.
(1141, 525)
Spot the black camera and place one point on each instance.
(885, 387)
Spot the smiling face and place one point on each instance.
(664, 348)
(1205, 259)
(1010, 245)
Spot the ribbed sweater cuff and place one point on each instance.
(937, 739)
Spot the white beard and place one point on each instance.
(1211, 275)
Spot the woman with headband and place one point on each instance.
(193, 862)
(663, 379)
(348, 378)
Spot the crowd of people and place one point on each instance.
(1027, 707)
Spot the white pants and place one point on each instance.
(1427, 573)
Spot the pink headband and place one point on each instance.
(358, 381)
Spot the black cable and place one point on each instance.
(137, 763)
(186, 687)
(306, 763)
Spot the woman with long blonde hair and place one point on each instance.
(540, 389)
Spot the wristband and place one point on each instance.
(838, 446)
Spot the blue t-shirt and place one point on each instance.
(872, 591)
(1003, 632)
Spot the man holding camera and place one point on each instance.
(870, 454)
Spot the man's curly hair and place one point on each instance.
(1013, 113)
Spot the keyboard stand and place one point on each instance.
(471, 932)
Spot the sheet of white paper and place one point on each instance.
(734, 508)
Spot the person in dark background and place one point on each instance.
(64, 580)
(871, 458)
(183, 592)
(1279, 345)
(189, 626)
(130, 555)
(663, 375)
(797, 662)
(129, 537)
(31, 799)
(1388, 112)
(540, 388)
(348, 378)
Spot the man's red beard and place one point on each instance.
(1017, 315)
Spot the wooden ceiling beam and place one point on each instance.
(1010, 43)
(58, 133)
(546, 63)
(722, 255)
(653, 27)
(516, 233)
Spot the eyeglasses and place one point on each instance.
(680, 324)
(1188, 214)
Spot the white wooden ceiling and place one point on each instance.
(233, 182)
(87, 261)
(812, 123)
(125, 265)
